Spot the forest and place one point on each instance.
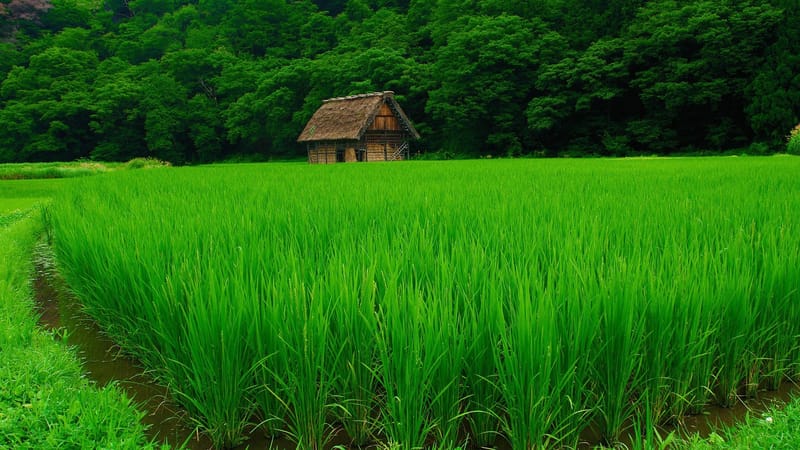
(194, 81)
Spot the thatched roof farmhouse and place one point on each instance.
(366, 127)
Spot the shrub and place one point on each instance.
(145, 163)
(793, 141)
(758, 148)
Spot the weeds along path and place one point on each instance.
(422, 304)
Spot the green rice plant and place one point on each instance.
(406, 367)
(692, 391)
(792, 318)
(691, 359)
(578, 361)
(779, 313)
(193, 340)
(212, 377)
(427, 296)
(265, 334)
(529, 364)
(678, 360)
(483, 323)
(354, 330)
(663, 361)
(447, 387)
(443, 286)
(732, 305)
(307, 380)
(647, 436)
(620, 344)
(763, 335)
(693, 348)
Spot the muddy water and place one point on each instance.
(716, 417)
(104, 363)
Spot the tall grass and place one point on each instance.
(429, 304)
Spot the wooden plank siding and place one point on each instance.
(375, 146)
(383, 145)
(322, 153)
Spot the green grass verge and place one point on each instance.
(45, 401)
(777, 428)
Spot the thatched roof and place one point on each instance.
(348, 118)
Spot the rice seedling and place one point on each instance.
(483, 323)
(578, 359)
(265, 338)
(212, 376)
(406, 367)
(778, 310)
(447, 387)
(621, 340)
(354, 334)
(542, 383)
(307, 380)
(732, 305)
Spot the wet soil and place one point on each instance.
(104, 362)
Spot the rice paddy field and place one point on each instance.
(413, 305)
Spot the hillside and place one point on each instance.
(205, 80)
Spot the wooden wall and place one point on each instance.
(322, 154)
(382, 145)
(377, 145)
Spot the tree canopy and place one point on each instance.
(203, 80)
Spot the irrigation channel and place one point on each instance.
(104, 362)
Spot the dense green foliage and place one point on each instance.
(45, 399)
(538, 297)
(202, 80)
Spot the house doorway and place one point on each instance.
(340, 149)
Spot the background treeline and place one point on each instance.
(205, 80)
